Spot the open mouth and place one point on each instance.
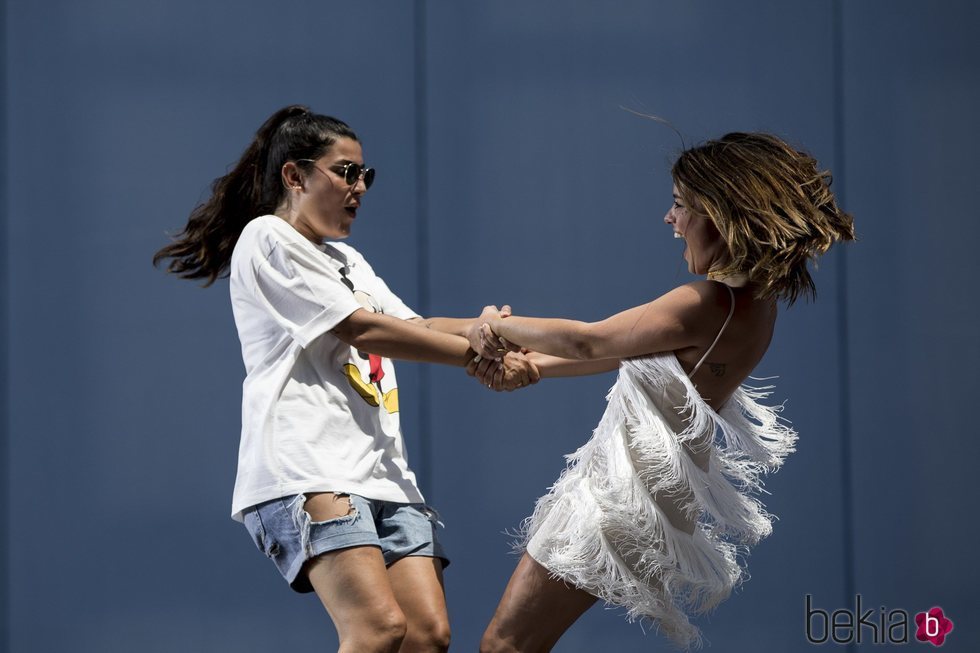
(351, 211)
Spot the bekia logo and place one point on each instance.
(933, 626)
(883, 626)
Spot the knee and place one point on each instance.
(439, 636)
(493, 641)
(390, 630)
(384, 632)
(439, 640)
(432, 635)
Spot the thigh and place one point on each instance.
(536, 609)
(354, 587)
(417, 584)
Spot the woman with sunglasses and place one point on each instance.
(652, 514)
(323, 485)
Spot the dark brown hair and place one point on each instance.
(202, 250)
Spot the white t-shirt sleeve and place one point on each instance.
(303, 293)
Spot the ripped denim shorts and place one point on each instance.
(284, 532)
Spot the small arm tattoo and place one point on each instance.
(717, 369)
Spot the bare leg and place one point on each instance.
(353, 586)
(534, 612)
(418, 588)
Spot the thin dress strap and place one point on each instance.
(731, 311)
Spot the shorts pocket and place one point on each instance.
(255, 527)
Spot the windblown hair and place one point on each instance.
(772, 205)
(253, 187)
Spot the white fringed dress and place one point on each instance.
(656, 511)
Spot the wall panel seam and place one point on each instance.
(5, 489)
(422, 235)
(843, 321)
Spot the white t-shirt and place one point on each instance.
(317, 415)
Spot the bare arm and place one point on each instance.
(457, 326)
(679, 319)
(553, 366)
(516, 370)
(452, 325)
(388, 336)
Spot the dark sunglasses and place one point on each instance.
(351, 172)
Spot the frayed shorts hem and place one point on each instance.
(285, 533)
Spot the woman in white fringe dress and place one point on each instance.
(654, 512)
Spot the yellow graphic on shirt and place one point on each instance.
(364, 388)
(369, 391)
(370, 388)
(391, 401)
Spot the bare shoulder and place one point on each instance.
(697, 304)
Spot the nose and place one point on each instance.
(669, 218)
(359, 187)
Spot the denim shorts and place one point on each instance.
(284, 532)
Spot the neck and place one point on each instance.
(297, 224)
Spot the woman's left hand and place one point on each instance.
(513, 371)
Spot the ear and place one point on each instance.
(292, 176)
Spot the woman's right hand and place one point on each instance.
(483, 340)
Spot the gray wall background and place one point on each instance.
(509, 172)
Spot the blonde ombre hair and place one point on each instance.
(772, 205)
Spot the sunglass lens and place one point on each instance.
(351, 173)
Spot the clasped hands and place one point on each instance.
(498, 364)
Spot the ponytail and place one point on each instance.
(202, 250)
